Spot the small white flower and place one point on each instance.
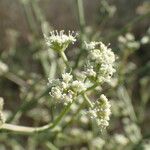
(103, 47)
(67, 98)
(90, 72)
(145, 40)
(92, 113)
(101, 111)
(59, 41)
(91, 45)
(67, 77)
(128, 41)
(121, 139)
(56, 93)
(106, 72)
(122, 39)
(133, 45)
(66, 89)
(130, 37)
(65, 85)
(97, 143)
(109, 56)
(95, 55)
(101, 61)
(78, 86)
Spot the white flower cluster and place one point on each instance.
(91, 45)
(1, 109)
(3, 68)
(100, 65)
(59, 41)
(101, 112)
(128, 41)
(67, 89)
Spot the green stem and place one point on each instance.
(81, 17)
(81, 20)
(24, 130)
(17, 80)
(38, 12)
(88, 100)
(63, 56)
(31, 130)
(92, 87)
(65, 111)
(74, 115)
(51, 146)
(30, 18)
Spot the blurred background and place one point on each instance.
(25, 68)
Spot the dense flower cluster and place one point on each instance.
(59, 41)
(101, 111)
(66, 89)
(1, 109)
(100, 64)
(99, 69)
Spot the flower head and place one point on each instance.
(101, 111)
(100, 62)
(78, 86)
(90, 72)
(91, 45)
(56, 93)
(67, 88)
(59, 41)
(67, 77)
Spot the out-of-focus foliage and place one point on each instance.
(26, 65)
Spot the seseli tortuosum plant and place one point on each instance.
(75, 88)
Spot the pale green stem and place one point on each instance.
(81, 20)
(17, 80)
(51, 146)
(74, 115)
(81, 15)
(88, 100)
(25, 130)
(30, 17)
(31, 130)
(38, 13)
(123, 95)
(45, 65)
(63, 56)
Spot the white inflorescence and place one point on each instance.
(78, 86)
(101, 111)
(128, 41)
(67, 89)
(3, 68)
(90, 72)
(59, 41)
(91, 45)
(100, 62)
